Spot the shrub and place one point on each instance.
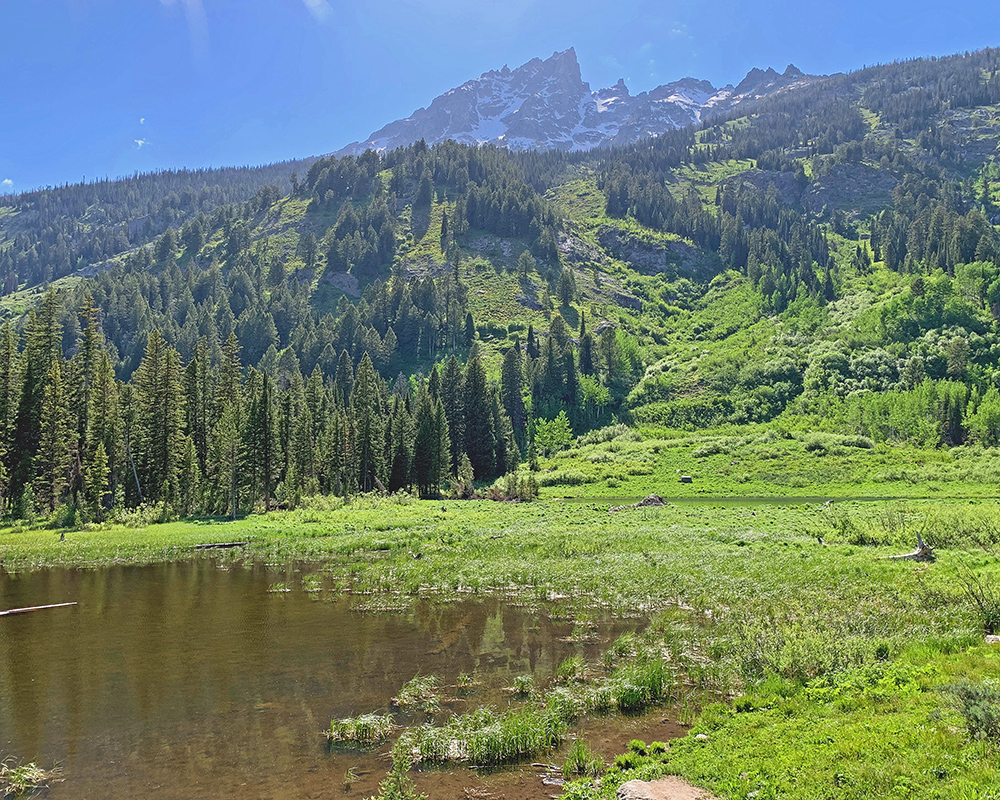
(618, 431)
(979, 703)
(984, 598)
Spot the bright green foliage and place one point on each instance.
(552, 435)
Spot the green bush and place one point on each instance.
(979, 704)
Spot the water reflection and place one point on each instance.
(184, 680)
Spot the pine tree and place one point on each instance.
(511, 386)
(96, 485)
(401, 438)
(105, 422)
(198, 393)
(261, 440)
(159, 409)
(586, 348)
(453, 399)
(425, 446)
(369, 421)
(479, 435)
(55, 448)
(190, 479)
(9, 392)
(226, 456)
(227, 384)
(345, 377)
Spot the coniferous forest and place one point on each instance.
(225, 341)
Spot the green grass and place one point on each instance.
(830, 665)
(887, 732)
(765, 461)
(366, 730)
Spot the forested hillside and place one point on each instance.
(425, 318)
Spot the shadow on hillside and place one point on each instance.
(420, 223)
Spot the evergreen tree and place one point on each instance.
(96, 486)
(431, 448)
(453, 398)
(190, 479)
(261, 440)
(55, 448)
(401, 437)
(226, 457)
(511, 387)
(159, 409)
(586, 348)
(480, 443)
(369, 421)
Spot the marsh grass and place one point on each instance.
(580, 760)
(523, 686)
(742, 601)
(419, 693)
(483, 738)
(366, 730)
(20, 779)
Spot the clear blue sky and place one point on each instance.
(101, 88)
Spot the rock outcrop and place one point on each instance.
(546, 105)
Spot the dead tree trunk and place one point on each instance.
(924, 552)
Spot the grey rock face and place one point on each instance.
(546, 105)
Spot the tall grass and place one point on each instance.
(366, 730)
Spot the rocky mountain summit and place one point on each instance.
(546, 105)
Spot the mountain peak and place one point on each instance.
(546, 105)
(761, 81)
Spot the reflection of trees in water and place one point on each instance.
(192, 675)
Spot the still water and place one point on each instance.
(190, 680)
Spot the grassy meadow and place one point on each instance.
(806, 662)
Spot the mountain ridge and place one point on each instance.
(546, 105)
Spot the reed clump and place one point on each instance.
(19, 779)
(366, 730)
(419, 693)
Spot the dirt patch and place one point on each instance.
(671, 788)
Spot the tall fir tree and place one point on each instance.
(369, 422)
(55, 448)
(480, 444)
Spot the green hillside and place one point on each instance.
(826, 263)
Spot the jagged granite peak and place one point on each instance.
(759, 82)
(546, 105)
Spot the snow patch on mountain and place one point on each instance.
(545, 105)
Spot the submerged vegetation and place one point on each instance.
(17, 780)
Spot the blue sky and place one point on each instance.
(102, 88)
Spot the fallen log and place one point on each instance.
(12, 611)
(219, 545)
(924, 552)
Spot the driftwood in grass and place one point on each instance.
(924, 552)
(12, 611)
(653, 500)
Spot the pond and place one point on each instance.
(200, 680)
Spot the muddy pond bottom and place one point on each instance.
(191, 680)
